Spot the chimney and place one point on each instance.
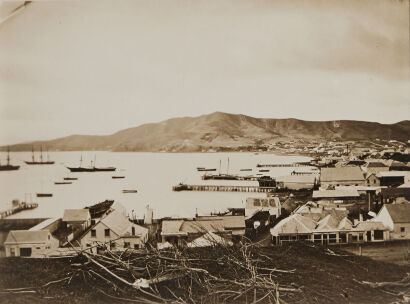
(149, 214)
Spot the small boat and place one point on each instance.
(129, 191)
(264, 170)
(181, 187)
(62, 183)
(8, 167)
(246, 170)
(44, 194)
(205, 169)
(116, 177)
(41, 162)
(70, 178)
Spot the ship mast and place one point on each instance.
(32, 153)
(41, 154)
(219, 172)
(81, 160)
(227, 168)
(8, 156)
(48, 155)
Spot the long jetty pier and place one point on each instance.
(229, 177)
(284, 165)
(17, 207)
(223, 188)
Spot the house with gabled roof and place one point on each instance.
(397, 218)
(183, 231)
(341, 176)
(78, 220)
(374, 167)
(29, 243)
(115, 231)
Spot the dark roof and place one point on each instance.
(400, 213)
(375, 165)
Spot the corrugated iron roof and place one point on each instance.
(121, 225)
(400, 213)
(341, 174)
(76, 215)
(335, 193)
(27, 236)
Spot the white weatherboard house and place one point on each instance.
(27, 243)
(115, 231)
(397, 218)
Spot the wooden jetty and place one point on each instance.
(17, 207)
(185, 187)
(283, 165)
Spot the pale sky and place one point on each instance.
(96, 67)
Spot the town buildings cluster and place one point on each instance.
(349, 200)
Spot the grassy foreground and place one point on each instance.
(294, 273)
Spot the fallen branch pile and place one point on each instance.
(202, 275)
(220, 274)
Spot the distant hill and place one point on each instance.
(223, 130)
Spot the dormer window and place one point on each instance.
(133, 230)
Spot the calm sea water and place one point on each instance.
(152, 174)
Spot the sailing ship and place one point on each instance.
(41, 162)
(92, 168)
(8, 167)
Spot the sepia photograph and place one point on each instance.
(205, 151)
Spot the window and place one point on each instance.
(136, 246)
(378, 235)
(360, 236)
(354, 237)
(127, 245)
(38, 247)
(112, 245)
(133, 230)
(93, 233)
(88, 245)
(107, 232)
(332, 238)
(12, 252)
(92, 222)
(402, 229)
(48, 236)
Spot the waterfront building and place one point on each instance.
(342, 176)
(114, 231)
(28, 243)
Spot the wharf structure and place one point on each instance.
(17, 206)
(185, 187)
(298, 164)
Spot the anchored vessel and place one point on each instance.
(92, 168)
(41, 162)
(8, 167)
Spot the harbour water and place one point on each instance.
(152, 174)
